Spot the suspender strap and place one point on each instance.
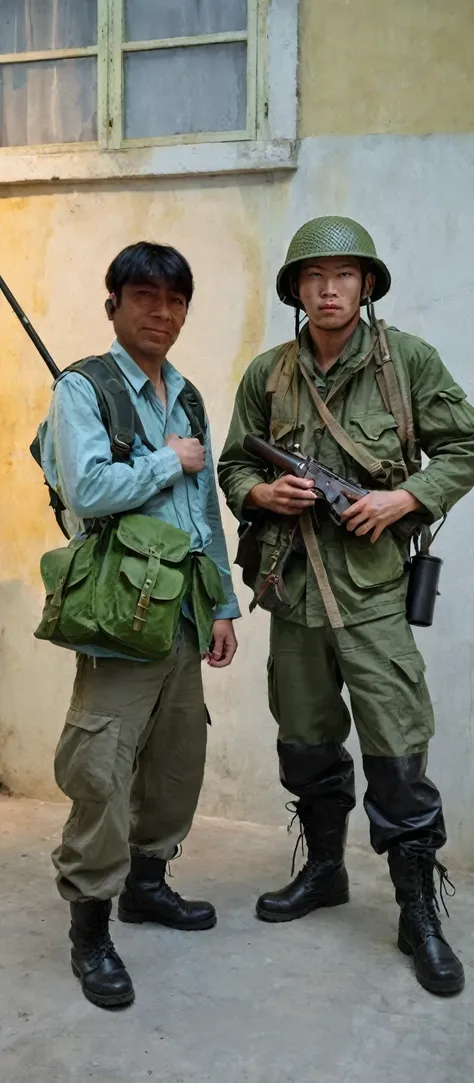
(316, 560)
(361, 455)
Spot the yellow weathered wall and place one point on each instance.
(394, 66)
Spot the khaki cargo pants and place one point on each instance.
(131, 758)
(383, 670)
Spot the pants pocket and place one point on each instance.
(412, 698)
(85, 757)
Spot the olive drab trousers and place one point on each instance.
(131, 758)
(383, 670)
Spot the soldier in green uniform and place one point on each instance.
(363, 399)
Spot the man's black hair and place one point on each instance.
(140, 262)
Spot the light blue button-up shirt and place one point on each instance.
(77, 463)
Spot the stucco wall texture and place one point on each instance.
(403, 67)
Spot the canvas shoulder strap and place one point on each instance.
(398, 403)
(282, 389)
(193, 405)
(117, 412)
(375, 467)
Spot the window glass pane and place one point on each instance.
(28, 25)
(146, 20)
(52, 101)
(200, 88)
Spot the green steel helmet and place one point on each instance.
(331, 236)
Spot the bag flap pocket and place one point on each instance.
(412, 665)
(373, 425)
(54, 567)
(169, 581)
(86, 720)
(143, 532)
(83, 559)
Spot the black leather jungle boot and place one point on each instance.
(323, 880)
(437, 968)
(147, 897)
(104, 979)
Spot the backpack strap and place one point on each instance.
(116, 408)
(193, 406)
(117, 412)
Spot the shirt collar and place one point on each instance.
(358, 344)
(137, 378)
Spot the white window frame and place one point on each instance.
(267, 143)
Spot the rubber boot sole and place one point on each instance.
(439, 988)
(331, 900)
(134, 917)
(121, 1000)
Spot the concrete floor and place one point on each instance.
(325, 1000)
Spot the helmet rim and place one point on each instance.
(363, 248)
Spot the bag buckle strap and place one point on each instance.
(151, 575)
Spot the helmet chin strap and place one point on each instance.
(371, 312)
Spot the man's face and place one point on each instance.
(149, 318)
(330, 290)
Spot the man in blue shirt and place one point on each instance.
(131, 756)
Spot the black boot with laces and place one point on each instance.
(104, 979)
(323, 880)
(420, 935)
(147, 897)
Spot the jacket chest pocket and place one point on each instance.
(378, 433)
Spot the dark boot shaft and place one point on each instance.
(323, 881)
(147, 897)
(324, 826)
(420, 933)
(90, 923)
(104, 979)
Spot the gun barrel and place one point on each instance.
(283, 460)
(32, 334)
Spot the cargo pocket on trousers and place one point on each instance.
(85, 757)
(414, 708)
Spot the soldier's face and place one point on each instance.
(330, 290)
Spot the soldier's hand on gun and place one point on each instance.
(190, 452)
(285, 496)
(378, 510)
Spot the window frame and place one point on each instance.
(119, 48)
(268, 141)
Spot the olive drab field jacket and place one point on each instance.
(368, 580)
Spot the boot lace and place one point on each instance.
(425, 907)
(98, 942)
(292, 807)
(446, 887)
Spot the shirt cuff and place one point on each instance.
(237, 501)
(419, 486)
(166, 467)
(228, 611)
